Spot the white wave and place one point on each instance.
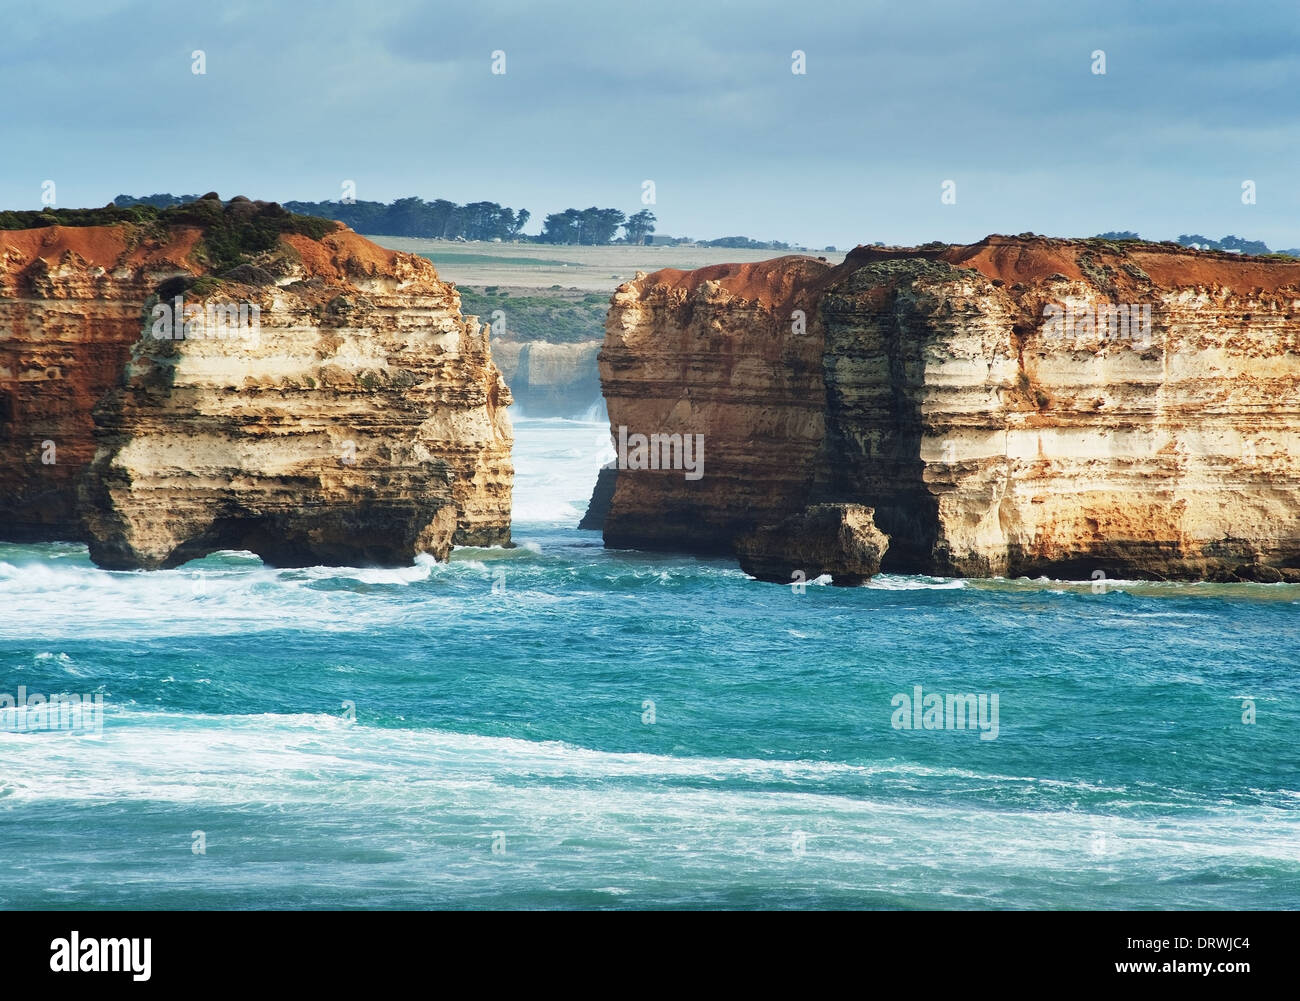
(582, 818)
(422, 568)
(134, 734)
(50, 601)
(556, 464)
(896, 582)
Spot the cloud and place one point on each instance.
(400, 97)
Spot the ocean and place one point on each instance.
(562, 726)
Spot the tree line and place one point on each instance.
(443, 219)
(596, 226)
(1230, 243)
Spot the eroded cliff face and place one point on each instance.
(71, 301)
(1018, 406)
(716, 352)
(351, 416)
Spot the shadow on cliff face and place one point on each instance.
(48, 382)
(368, 534)
(103, 527)
(874, 365)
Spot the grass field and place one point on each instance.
(561, 316)
(541, 266)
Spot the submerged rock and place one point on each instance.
(836, 539)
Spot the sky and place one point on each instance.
(699, 97)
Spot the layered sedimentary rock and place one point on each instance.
(733, 352)
(550, 380)
(1018, 406)
(71, 302)
(350, 415)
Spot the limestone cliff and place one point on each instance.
(71, 302)
(713, 351)
(349, 415)
(1017, 406)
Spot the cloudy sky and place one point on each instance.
(699, 97)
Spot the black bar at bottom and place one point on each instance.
(335, 949)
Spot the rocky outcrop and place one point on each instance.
(839, 540)
(733, 352)
(1017, 406)
(71, 302)
(550, 380)
(350, 415)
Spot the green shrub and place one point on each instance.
(561, 318)
(204, 286)
(109, 215)
(232, 232)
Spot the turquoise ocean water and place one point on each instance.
(561, 726)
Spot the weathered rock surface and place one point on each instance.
(836, 539)
(713, 351)
(362, 422)
(71, 302)
(936, 386)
